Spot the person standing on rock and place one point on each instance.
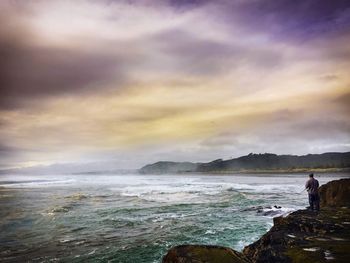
(312, 188)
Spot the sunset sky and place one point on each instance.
(126, 83)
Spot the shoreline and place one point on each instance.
(301, 236)
(254, 172)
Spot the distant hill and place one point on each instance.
(257, 163)
(169, 167)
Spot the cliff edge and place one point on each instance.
(303, 236)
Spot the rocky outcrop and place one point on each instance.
(335, 193)
(202, 253)
(303, 236)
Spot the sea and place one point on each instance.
(137, 218)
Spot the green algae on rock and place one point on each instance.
(335, 193)
(203, 253)
(305, 236)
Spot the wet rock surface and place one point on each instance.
(303, 236)
(265, 210)
(202, 253)
(335, 193)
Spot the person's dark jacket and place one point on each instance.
(312, 186)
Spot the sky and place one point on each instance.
(125, 83)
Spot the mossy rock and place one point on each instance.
(335, 193)
(203, 254)
(305, 236)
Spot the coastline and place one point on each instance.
(264, 172)
(302, 236)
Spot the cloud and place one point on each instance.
(315, 123)
(193, 54)
(34, 74)
(34, 71)
(176, 79)
(41, 61)
(6, 150)
(289, 20)
(343, 101)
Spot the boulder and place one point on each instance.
(335, 193)
(203, 254)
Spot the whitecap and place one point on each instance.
(328, 255)
(65, 240)
(311, 249)
(277, 211)
(210, 232)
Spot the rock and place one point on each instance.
(203, 254)
(255, 208)
(265, 210)
(292, 237)
(271, 213)
(335, 193)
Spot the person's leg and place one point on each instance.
(317, 202)
(311, 202)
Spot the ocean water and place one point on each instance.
(136, 218)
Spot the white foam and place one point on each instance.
(36, 183)
(65, 241)
(170, 193)
(281, 210)
(328, 255)
(265, 188)
(311, 249)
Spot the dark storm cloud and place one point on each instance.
(30, 72)
(282, 19)
(301, 19)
